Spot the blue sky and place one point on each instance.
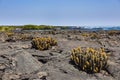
(60, 12)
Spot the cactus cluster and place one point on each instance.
(85, 34)
(113, 32)
(43, 43)
(91, 35)
(89, 59)
(23, 37)
(9, 34)
(18, 36)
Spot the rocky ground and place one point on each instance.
(18, 61)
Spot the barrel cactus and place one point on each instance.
(43, 43)
(89, 59)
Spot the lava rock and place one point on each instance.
(25, 62)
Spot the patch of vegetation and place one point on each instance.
(6, 28)
(89, 59)
(43, 43)
(13, 36)
(113, 32)
(30, 27)
(91, 35)
(36, 27)
(9, 33)
(85, 34)
(23, 37)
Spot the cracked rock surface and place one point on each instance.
(18, 61)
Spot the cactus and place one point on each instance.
(43, 43)
(91, 35)
(9, 33)
(89, 59)
(113, 32)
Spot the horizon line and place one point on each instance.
(61, 25)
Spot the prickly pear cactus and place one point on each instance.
(43, 43)
(89, 59)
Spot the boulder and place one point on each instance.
(8, 76)
(114, 69)
(25, 62)
(3, 37)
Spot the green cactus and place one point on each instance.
(89, 59)
(43, 43)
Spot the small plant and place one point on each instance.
(91, 35)
(18, 36)
(89, 59)
(85, 34)
(43, 43)
(23, 37)
(113, 32)
(95, 36)
(9, 34)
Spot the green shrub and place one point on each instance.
(5, 28)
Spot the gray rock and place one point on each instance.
(114, 69)
(8, 76)
(25, 63)
(42, 74)
(3, 37)
(100, 76)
